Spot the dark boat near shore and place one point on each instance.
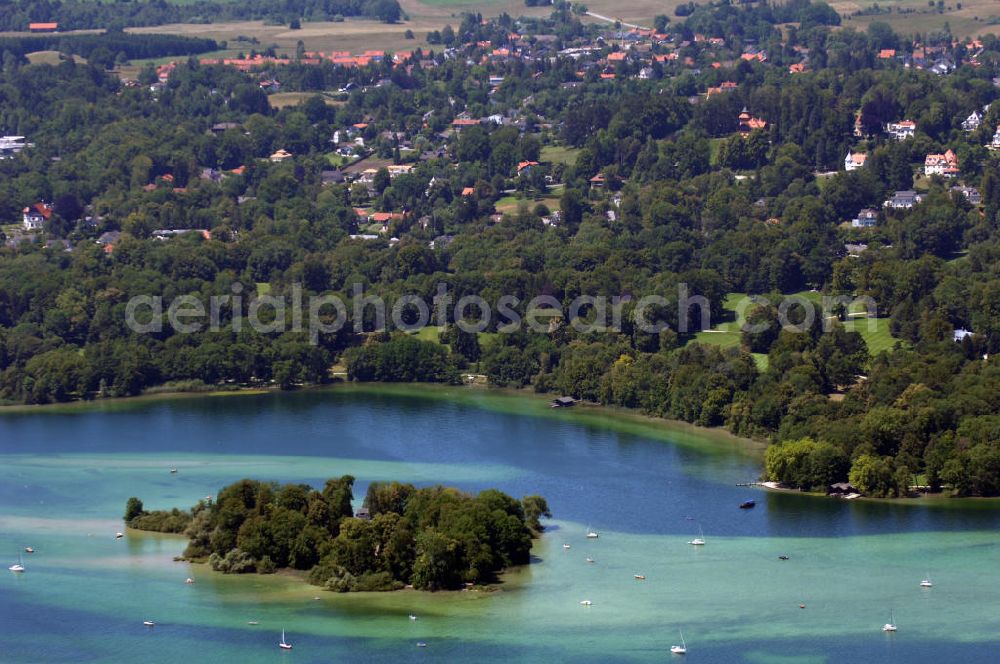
(747, 504)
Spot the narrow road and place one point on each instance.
(614, 20)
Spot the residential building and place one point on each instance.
(995, 142)
(748, 123)
(11, 145)
(35, 216)
(855, 160)
(972, 122)
(971, 194)
(866, 218)
(903, 200)
(901, 130)
(941, 164)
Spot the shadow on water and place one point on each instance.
(794, 515)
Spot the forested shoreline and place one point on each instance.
(193, 185)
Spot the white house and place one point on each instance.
(866, 218)
(972, 122)
(11, 145)
(995, 143)
(854, 160)
(34, 216)
(941, 164)
(901, 130)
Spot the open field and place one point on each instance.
(875, 332)
(510, 204)
(355, 36)
(726, 333)
(365, 164)
(52, 58)
(967, 21)
(559, 154)
(283, 99)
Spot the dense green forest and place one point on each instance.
(690, 201)
(127, 46)
(90, 14)
(433, 538)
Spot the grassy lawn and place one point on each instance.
(337, 160)
(559, 154)
(52, 58)
(429, 333)
(282, 99)
(714, 145)
(509, 204)
(726, 333)
(875, 332)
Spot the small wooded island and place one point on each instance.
(434, 538)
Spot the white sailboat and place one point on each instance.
(18, 566)
(927, 583)
(682, 648)
(700, 540)
(282, 644)
(891, 625)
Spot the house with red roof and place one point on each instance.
(941, 164)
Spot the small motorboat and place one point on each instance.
(748, 504)
(173, 471)
(802, 606)
(421, 644)
(565, 546)
(28, 549)
(412, 617)
(589, 559)
(148, 623)
(119, 535)
(639, 577)
(782, 557)
(592, 534)
(927, 583)
(189, 580)
(586, 602)
(253, 622)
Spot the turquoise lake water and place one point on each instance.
(64, 479)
